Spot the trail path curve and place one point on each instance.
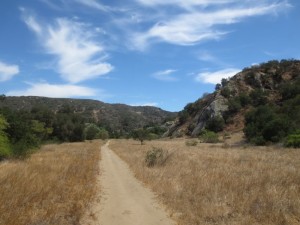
(124, 200)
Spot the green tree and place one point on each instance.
(91, 131)
(263, 124)
(215, 124)
(258, 97)
(5, 148)
(224, 82)
(103, 134)
(141, 135)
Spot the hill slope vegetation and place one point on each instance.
(263, 101)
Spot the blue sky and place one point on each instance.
(164, 53)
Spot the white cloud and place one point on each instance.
(185, 4)
(79, 56)
(155, 104)
(94, 4)
(198, 24)
(165, 75)
(216, 77)
(8, 71)
(55, 91)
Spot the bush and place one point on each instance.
(215, 124)
(156, 156)
(258, 97)
(234, 105)
(244, 99)
(183, 116)
(191, 143)
(293, 140)
(5, 149)
(226, 92)
(91, 132)
(103, 134)
(209, 137)
(263, 124)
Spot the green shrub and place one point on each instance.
(153, 136)
(191, 143)
(293, 140)
(226, 92)
(244, 99)
(209, 137)
(91, 131)
(234, 105)
(156, 156)
(183, 116)
(215, 124)
(263, 124)
(5, 150)
(258, 97)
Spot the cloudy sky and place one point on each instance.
(164, 53)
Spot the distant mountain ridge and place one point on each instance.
(114, 117)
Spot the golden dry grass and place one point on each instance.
(53, 186)
(208, 184)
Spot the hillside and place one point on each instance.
(238, 101)
(114, 117)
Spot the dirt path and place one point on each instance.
(124, 199)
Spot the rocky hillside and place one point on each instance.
(114, 117)
(273, 83)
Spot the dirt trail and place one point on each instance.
(124, 200)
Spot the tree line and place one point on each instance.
(22, 131)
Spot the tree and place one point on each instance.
(263, 124)
(5, 148)
(141, 135)
(91, 131)
(224, 82)
(103, 134)
(258, 97)
(2, 97)
(215, 124)
(218, 86)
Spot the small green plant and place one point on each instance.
(156, 156)
(191, 143)
(293, 140)
(209, 137)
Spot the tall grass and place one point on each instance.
(53, 186)
(208, 184)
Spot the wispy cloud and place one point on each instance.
(165, 75)
(186, 3)
(55, 91)
(8, 71)
(79, 56)
(145, 104)
(193, 24)
(94, 4)
(216, 77)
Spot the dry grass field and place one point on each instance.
(210, 184)
(53, 186)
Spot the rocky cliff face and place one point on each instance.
(235, 96)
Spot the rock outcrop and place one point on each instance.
(235, 96)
